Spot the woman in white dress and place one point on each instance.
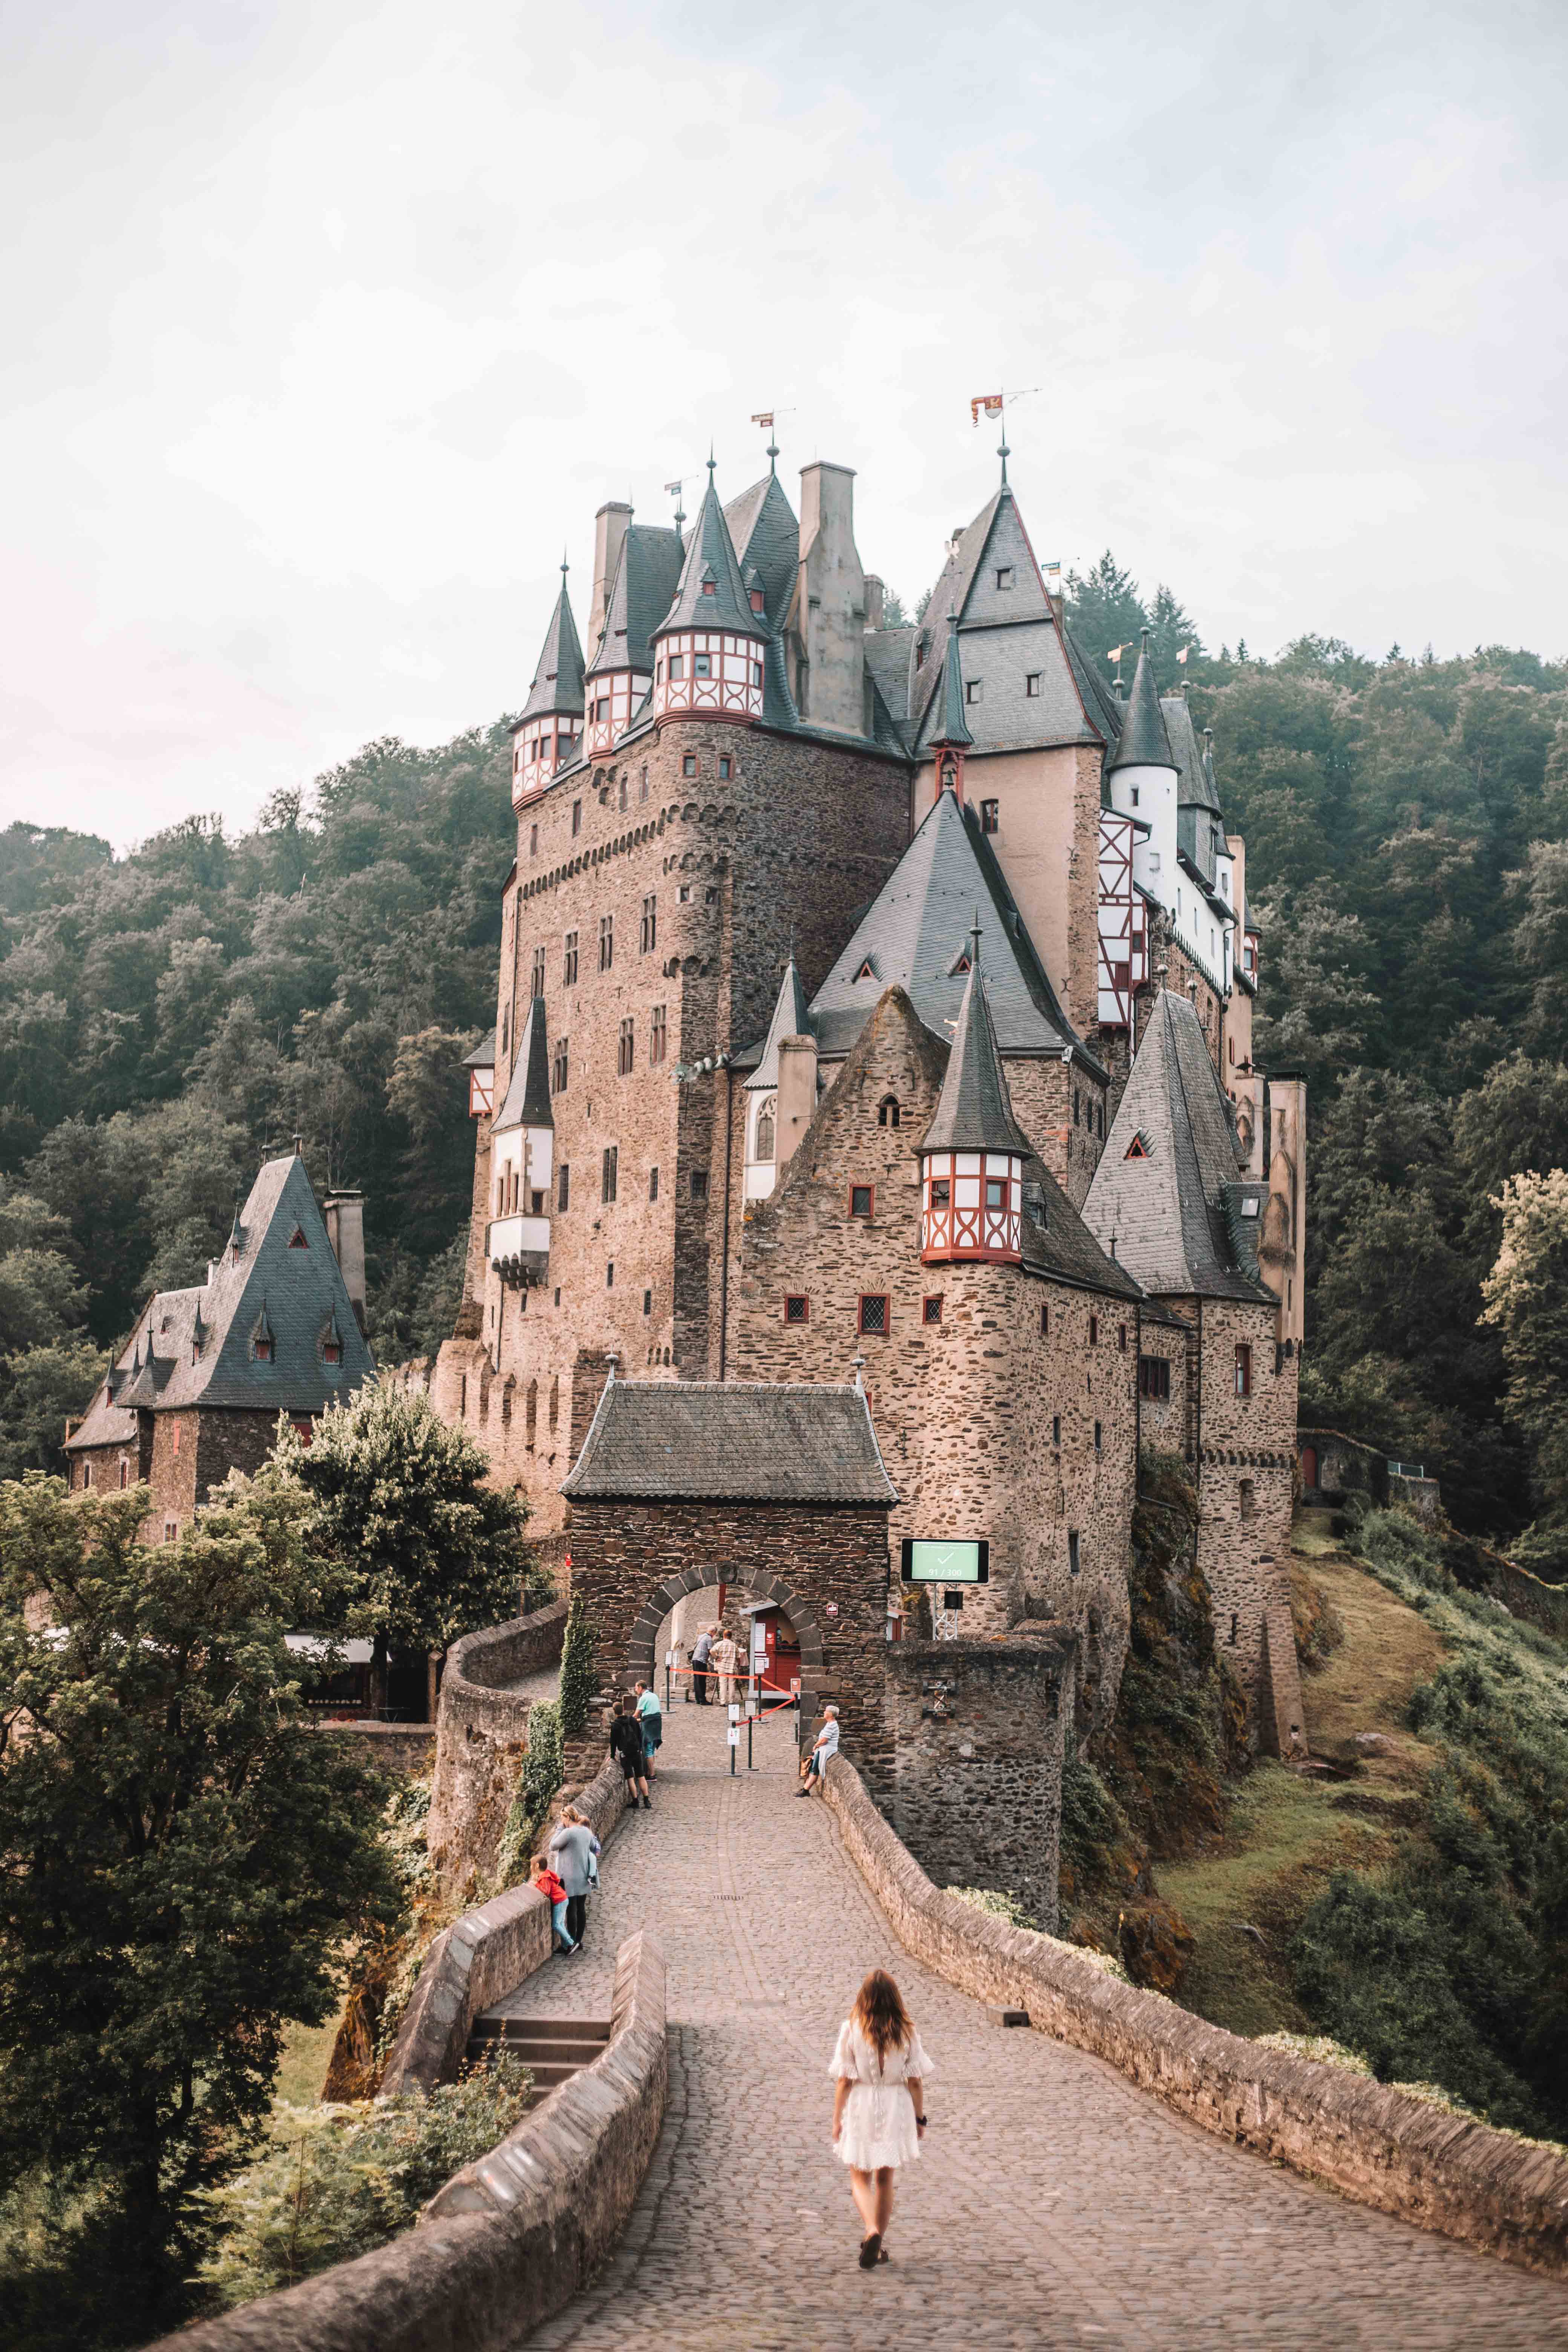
(878, 2103)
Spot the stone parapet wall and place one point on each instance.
(1377, 2145)
(510, 2240)
(481, 1738)
(408, 1749)
(480, 1956)
(981, 1729)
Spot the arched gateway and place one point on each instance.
(776, 1488)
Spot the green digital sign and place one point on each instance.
(946, 1563)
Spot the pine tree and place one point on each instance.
(577, 1669)
(1106, 609)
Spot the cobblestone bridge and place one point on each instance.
(1055, 2205)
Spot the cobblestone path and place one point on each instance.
(1054, 2206)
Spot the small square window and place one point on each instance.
(1003, 575)
(683, 894)
(701, 665)
(677, 667)
(972, 690)
(1032, 684)
(990, 817)
(688, 763)
(873, 1315)
(797, 1307)
(171, 1530)
(724, 767)
(700, 1183)
(756, 673)
(931, 1310)
(860, 1199)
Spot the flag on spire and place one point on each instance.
(764, 416)
(985, 404)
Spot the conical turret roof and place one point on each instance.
(710, 562)
(1142, 742)
(790, 1019)
(646, 574)
(973, 1112)
(527, 1100)
(952, 727)
(558, 680)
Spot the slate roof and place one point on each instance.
(1168, 1212)
(731, 1441)
(948, 723)
(790, 1019)
(1142, 742)
(558, 679)
(764, 531)
(888, 654)
(648, 573)
(296, 1294)
(919, 924)
(483, 1057)
(973, 1112)
(1106, 712)
(711, 556)
(527, 1100)
(1063, 1246)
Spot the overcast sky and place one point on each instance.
(327, 327)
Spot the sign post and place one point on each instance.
(734, 1735)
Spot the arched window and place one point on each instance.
(766, 1117)
(888, 1111)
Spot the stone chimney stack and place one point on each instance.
(345, 1214)
(830, 600)
(610, 527)
(875, 592)
(798, 1094)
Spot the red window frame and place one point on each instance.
(874, 1298)
(797, 1307)
(870, 1208)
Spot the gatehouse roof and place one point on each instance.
(731, 1441)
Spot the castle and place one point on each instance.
(878, 1000)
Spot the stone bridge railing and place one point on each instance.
(481, 1739)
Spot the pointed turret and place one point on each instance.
(709, 648)
(648, 569)
(951, 738)
(523, 1160)
(973, 1153)
(546, 734)
(1142, 742)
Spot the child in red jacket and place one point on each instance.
(555, 1894)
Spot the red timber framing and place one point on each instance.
(709, 674)
(1124, 951)
(972, 1206)
(612, 695)
(537, 751)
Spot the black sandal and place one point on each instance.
(870, 2250)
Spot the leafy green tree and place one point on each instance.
(40, 1389)
(180, 1857)
(423, 1551)
(1527, 1299)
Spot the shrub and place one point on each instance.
(337, 2181)
(540, 1779)
(577, 1669)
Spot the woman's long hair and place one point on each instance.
(880, 2014)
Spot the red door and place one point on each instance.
(783, 1655)
(1309, 1465)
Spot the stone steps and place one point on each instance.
(553, 2049)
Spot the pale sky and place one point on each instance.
(327, 329)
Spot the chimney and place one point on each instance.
(609, 535)
(875, 591)
(832, 599)
(345, 1214)
(798, 1094)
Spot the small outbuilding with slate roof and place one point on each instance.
(197, 1389)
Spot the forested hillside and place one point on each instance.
(169, 1017)
(166, 1017)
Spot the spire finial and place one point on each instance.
(974, 943)
(1004, 453)
(565, 567)
(713, 461)
(1144, 634)
(772, 455)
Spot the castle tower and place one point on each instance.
(522, 1142)
(546, 735)
(710, 649)
(646, 574)
(950, 737)
(1140, 771)
(973, 1153)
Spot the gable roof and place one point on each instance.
(966, 598)
(1166, 1211)
(1142, 742)
(731, 1441)
(527, 1100)
(648, 572)
(973, 1112)
(764, 531)
(918, 922)
(790, 1019)
(297, 1295)
(558, 679)
(711, 557)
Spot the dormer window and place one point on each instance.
(196, 1351)
(756, 600)
(972, 690)
(866, 970)
(1003, 576)
(332, 1351)
(263, 1349)
(711, 588)
(959, 966)
(1137, 1148)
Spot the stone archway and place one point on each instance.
(640, 1661)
